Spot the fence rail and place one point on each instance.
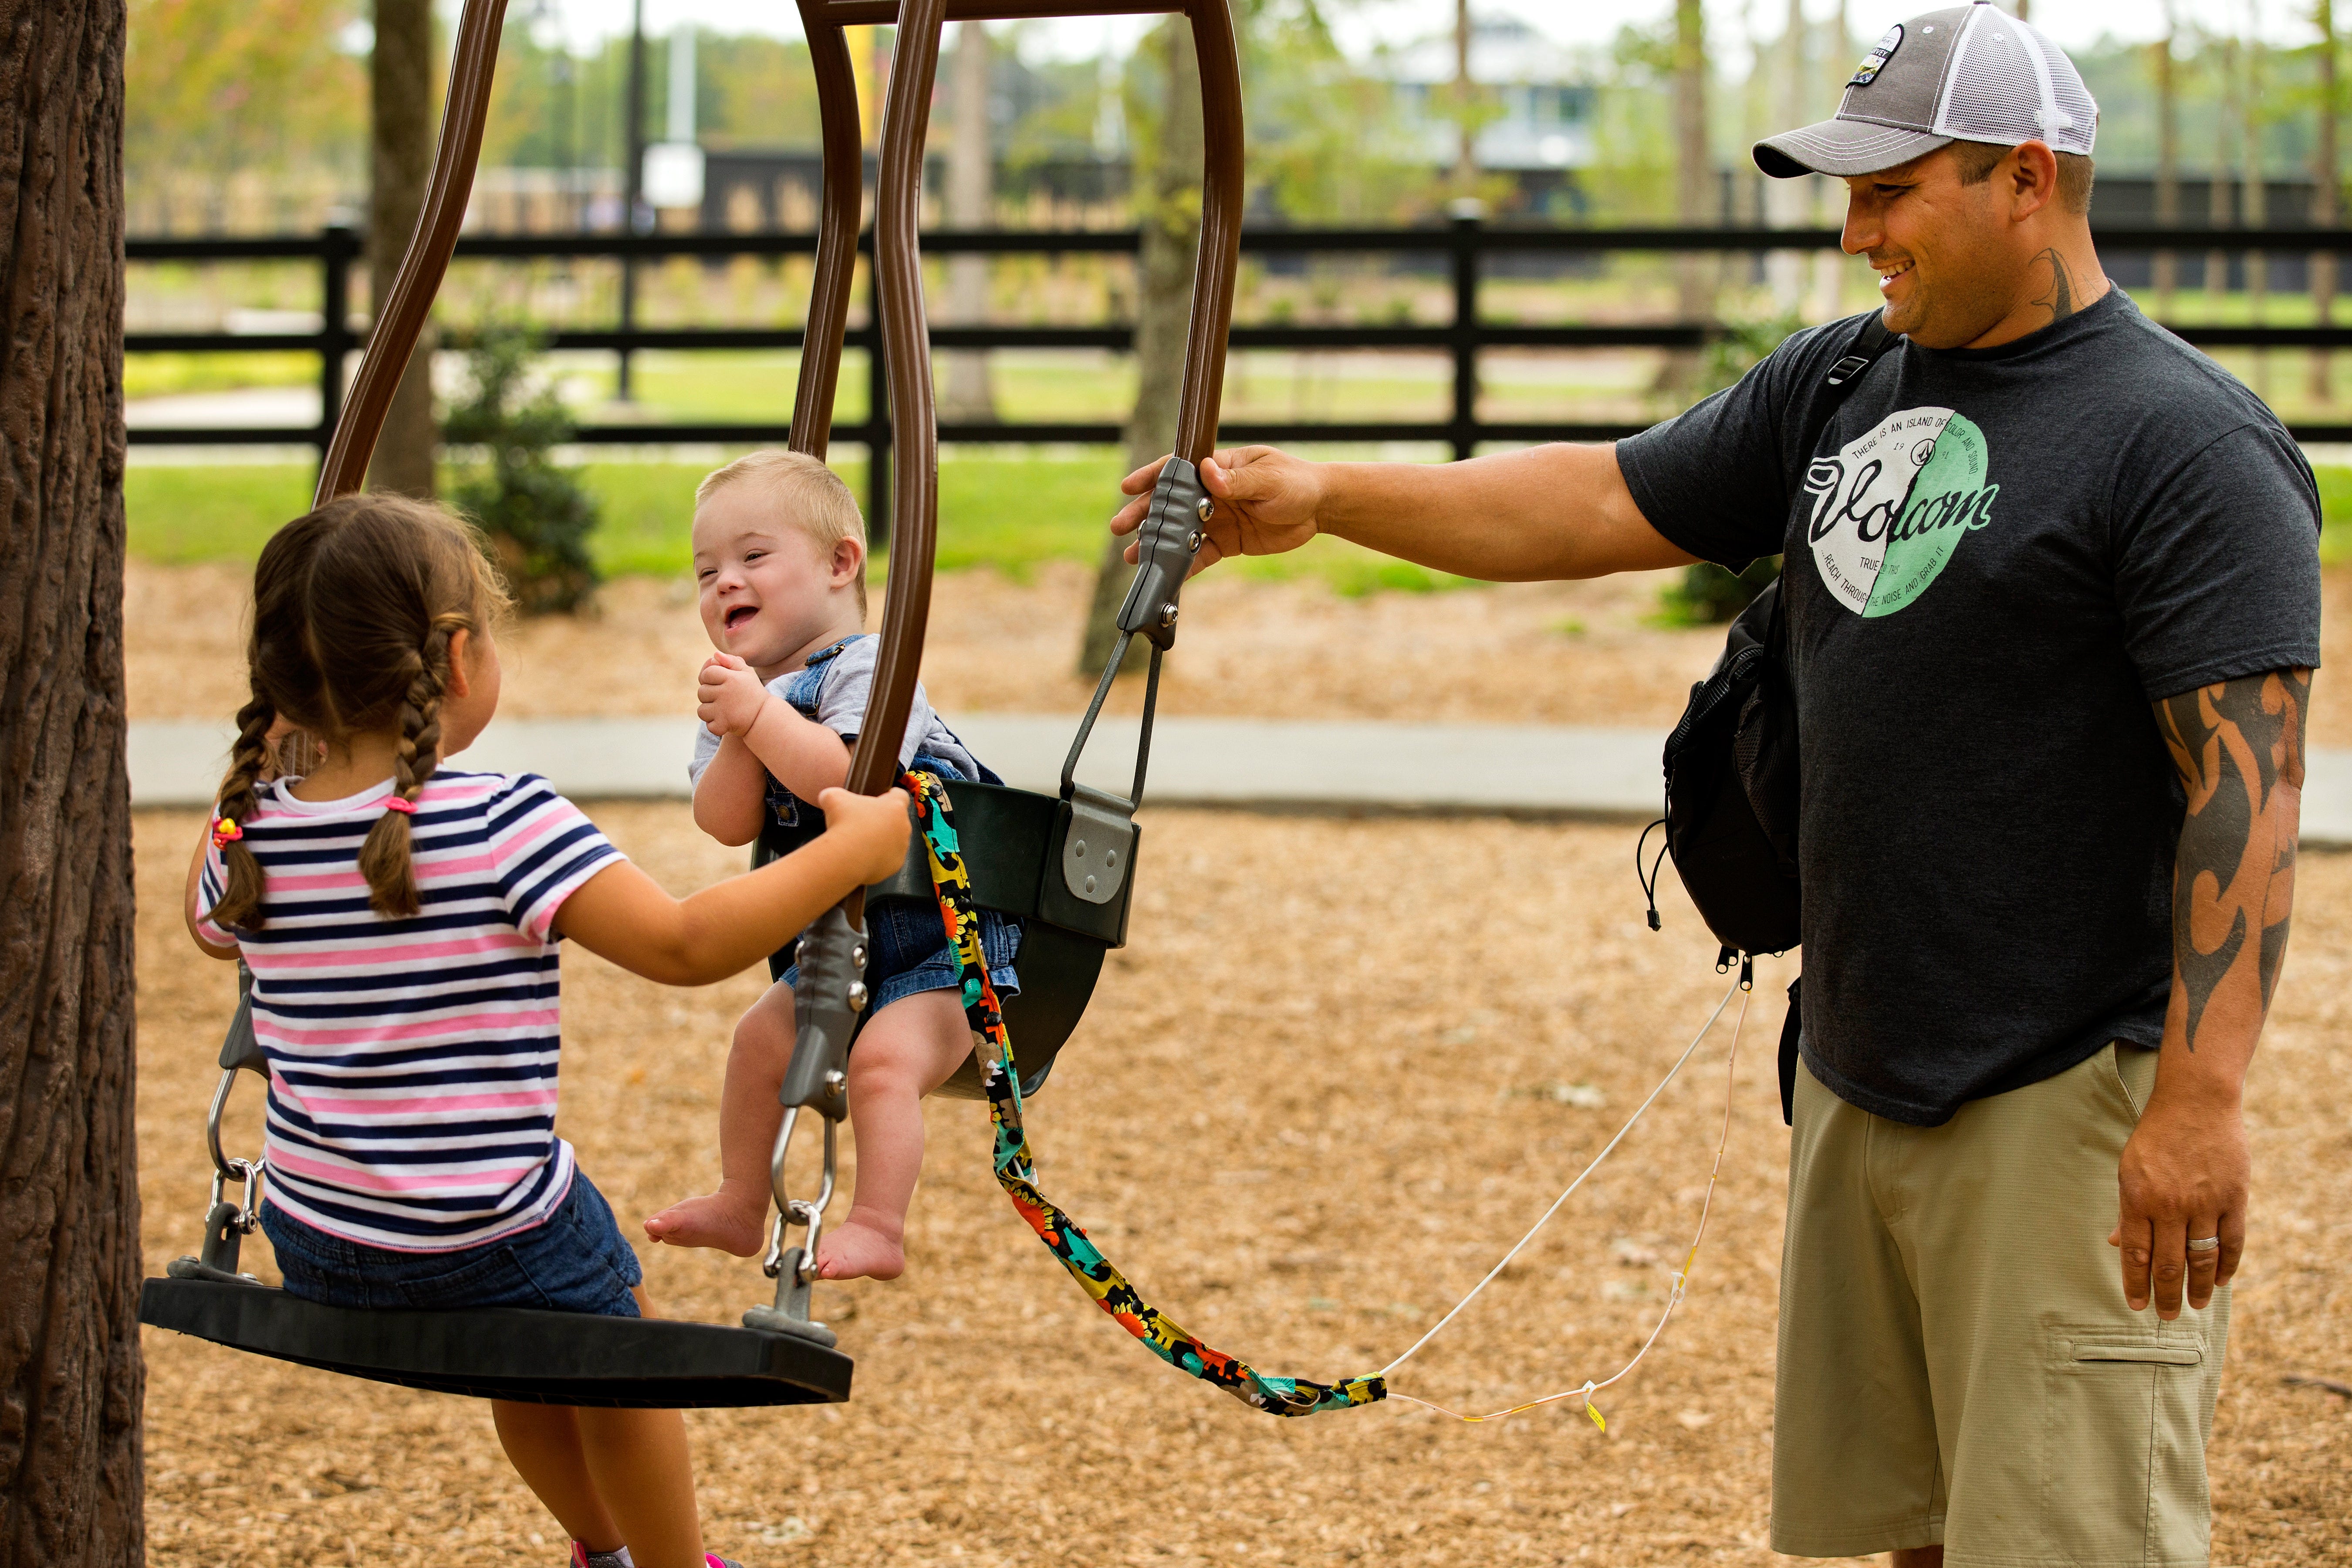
(1460, 247)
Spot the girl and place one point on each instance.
(401, 923)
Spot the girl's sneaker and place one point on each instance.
(584, 1558)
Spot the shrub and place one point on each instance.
(536, 513)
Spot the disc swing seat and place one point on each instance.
(1062, 864)
(515, 1353)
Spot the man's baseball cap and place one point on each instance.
(1971, 73)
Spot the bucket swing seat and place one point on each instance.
(1062, 863)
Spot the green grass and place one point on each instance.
(1010, 513)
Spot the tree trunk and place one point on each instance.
(2168, 160)
(2254, 208)
(1789, 203)
(971, 204)
(1465, 147)
(400, 136)
(70, 1376)
(1693, 177)
(1831, 267)
(2326, 193)
(1172, 233)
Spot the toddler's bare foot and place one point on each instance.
(729, 1219)
(859, 1250)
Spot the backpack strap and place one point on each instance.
(1873, 341)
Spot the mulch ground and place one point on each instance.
(1341, 1066)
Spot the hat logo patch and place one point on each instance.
(1875, 61)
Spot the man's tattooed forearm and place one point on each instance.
(2235, 743)
(2060, 301)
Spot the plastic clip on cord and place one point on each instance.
(828, 994)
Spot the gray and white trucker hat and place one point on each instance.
(1971, 73)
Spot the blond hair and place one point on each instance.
(804, 492)
(354, 607)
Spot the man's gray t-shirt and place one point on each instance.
(1995, 562)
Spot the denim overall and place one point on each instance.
(905, 936)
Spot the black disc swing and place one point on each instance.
(1062, 863)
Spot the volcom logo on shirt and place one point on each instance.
(1892, 506)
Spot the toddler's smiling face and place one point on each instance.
(768, 590)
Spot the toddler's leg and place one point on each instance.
(611, 1478)
(733, 1218)
(909, 1049)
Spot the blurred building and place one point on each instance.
(1542, 136)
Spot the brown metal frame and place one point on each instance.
(401, 315)
(904, 328)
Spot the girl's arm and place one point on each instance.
(622, 914)
(731, 793)
(188, 904)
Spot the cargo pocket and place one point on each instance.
(2124, 1464)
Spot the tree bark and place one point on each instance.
(2254, 208)
(1465, 147)
(971, 204)
(1172, 234)
(70, 1376)
(400, 136)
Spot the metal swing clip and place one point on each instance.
(226, 1225)
(828, 994)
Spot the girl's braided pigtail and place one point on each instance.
(241, 903)
(386, 860)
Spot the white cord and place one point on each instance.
(1682, 1279)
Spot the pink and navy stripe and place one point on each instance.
(413, 1062)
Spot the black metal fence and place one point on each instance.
(1466, 249)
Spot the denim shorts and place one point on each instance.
(573, 1261)
(911, 952)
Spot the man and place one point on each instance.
(2052, 595)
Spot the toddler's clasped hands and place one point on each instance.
(730, 695)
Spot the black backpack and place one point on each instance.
(1732, 774)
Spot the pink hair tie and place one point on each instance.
(405, 807)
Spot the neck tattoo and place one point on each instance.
(2060, 301)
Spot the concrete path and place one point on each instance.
(1265, 765)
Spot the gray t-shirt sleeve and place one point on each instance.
(2217, 567)
(1715, 480)
(849, 683)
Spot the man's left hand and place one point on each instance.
(2184, 1176)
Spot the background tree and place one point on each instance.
(1693, 177)
(1168, 198)
(2167, 156)
(971, 170)
(70, 1374)
(400, 141)
(2327, 175)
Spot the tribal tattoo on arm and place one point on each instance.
(2238, 745)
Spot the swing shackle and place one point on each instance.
(794, 1268)
(806, 1212)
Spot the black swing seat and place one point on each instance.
(506, 1352)
(1012, 841)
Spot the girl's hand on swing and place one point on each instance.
(1268, 503)
(873, 825)
(729, 695)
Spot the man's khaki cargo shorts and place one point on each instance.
(1957, 1362)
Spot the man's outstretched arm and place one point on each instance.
(1540, 515)
(2238, 745)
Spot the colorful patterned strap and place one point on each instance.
(1016, 1171)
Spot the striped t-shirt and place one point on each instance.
(413, 1062)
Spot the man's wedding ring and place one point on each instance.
(2210, 1244)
